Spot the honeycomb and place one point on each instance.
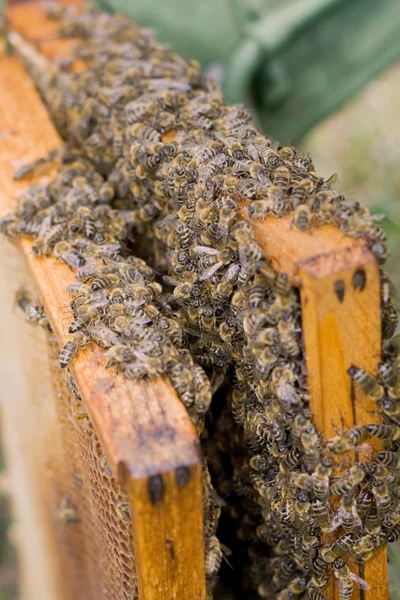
(92, 518)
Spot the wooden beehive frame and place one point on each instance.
(340, 329)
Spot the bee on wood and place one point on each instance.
(33, 312)
(302, 217)
(367, 383)
(346, 579)
(76, 342)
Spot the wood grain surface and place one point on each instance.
(144, 428)
(338, 331)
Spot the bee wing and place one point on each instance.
(210, 271)
(204, 250)
(170, 280)
(232, 272)
(356, 517)
(332, 179)
(362, 584)
(378, 217)
(337, 520)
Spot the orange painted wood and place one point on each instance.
(144, 428)
(337, 333)
(169, 494)
(341, 327)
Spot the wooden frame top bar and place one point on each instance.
(144, 426)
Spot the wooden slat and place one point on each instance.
(175, 492)
(337, 333)
(341, 327)
(144, 428)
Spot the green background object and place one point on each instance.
(294, 61)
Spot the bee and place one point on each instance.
(213, 554)
(348, 440)
(302, 217)
(83, 320)
(345, 579)
(390, 378)
(123, 511)
(287, 338)
(347, 515)
(282, 177)
(33, 312)
(373, 521)
(106, 193)
(320, 512)
(146, 134)
(367, 383)
(66, 253)
(119, 354)
(389, 459)
(393, 535)
(282, 284)
(320, 480)
(384, 432)
(260, 209)
(103, 282)
(44, 243)
(382, 496)
(301, 190)
(67, 511)
(314, 593)
(76, 342)
(227, 216)
(364, 503)
(75, 224)
(202, 389)
(343, 485)
(390, 408)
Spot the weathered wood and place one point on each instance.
(338, 331)
(144, 428)
(174, 492)
(342, 327)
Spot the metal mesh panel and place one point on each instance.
(94, 525)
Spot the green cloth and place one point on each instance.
(294, 61)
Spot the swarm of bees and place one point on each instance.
(155, 162)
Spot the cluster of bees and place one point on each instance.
(155, 162)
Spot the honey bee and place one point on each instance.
(320, 480)
(202, 389)
(346, 579)
(384, 432)
(347, 515)
(67, 511)
(103, 281)
(367, 383)
(320, 512)
(393, 535)
(342, 485)
(390, 378)
(122, 509)
(382, 497)
(33, 312)
(65, 251)
(347, 441)
(214, 555)
(302, 217)
(83, 320)
(77, 341)
(389, 459)
(260, 209)
(301, 190)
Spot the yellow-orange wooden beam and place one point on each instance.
(144, 428)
